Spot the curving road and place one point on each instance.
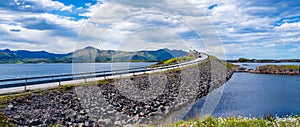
(85, 78)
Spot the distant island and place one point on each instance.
(271, 69)
(278, 69)
(245, 60)
(87, 55)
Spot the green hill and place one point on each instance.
(88, 54)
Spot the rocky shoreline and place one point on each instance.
(278, 69)
(146, 99)
(272, 69)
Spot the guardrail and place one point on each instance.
(19, 82)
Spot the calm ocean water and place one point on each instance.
(253, 95)
(8, 71)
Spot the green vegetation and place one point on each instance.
(241, 60)
(280, 66)
(55, 125)
(67, 86)
(6, 122)
(105, 81)
(178, 60)
(244, 60)
(230, 66)
(239, 122)
(99, 82)
(172, 61)
(5, 99)
(289, 66)
(278, 69)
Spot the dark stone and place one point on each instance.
(35, 122)
(48, 121)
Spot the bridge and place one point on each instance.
(20, 84)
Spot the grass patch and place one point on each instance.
(55, 125)
(6, 122)
(293, 121)
(98, 82)
(289, 67)
(280, 66)
(283, 67)
(67, 86)
(5, 99)
(214, 58)
(172, 61)
(230, 66)
(105, 82)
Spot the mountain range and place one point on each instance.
(88, 54)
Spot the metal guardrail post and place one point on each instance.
(59, 82)
(25, 85)
(85, 79)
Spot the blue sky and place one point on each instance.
(253, 29)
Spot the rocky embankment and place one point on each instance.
(128, 101)
(46, 108)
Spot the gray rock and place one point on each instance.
(35, 122)
(105, 122)
(118, 123)
(47, 121)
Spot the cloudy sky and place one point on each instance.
(235, 28)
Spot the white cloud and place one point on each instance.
(59, 34)
(67, 8)
(149, 39)
(288, 27)
(243, 27)
(248, 29)
(92, 9)
(53, 5)
(34, 40)
(295, 49)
